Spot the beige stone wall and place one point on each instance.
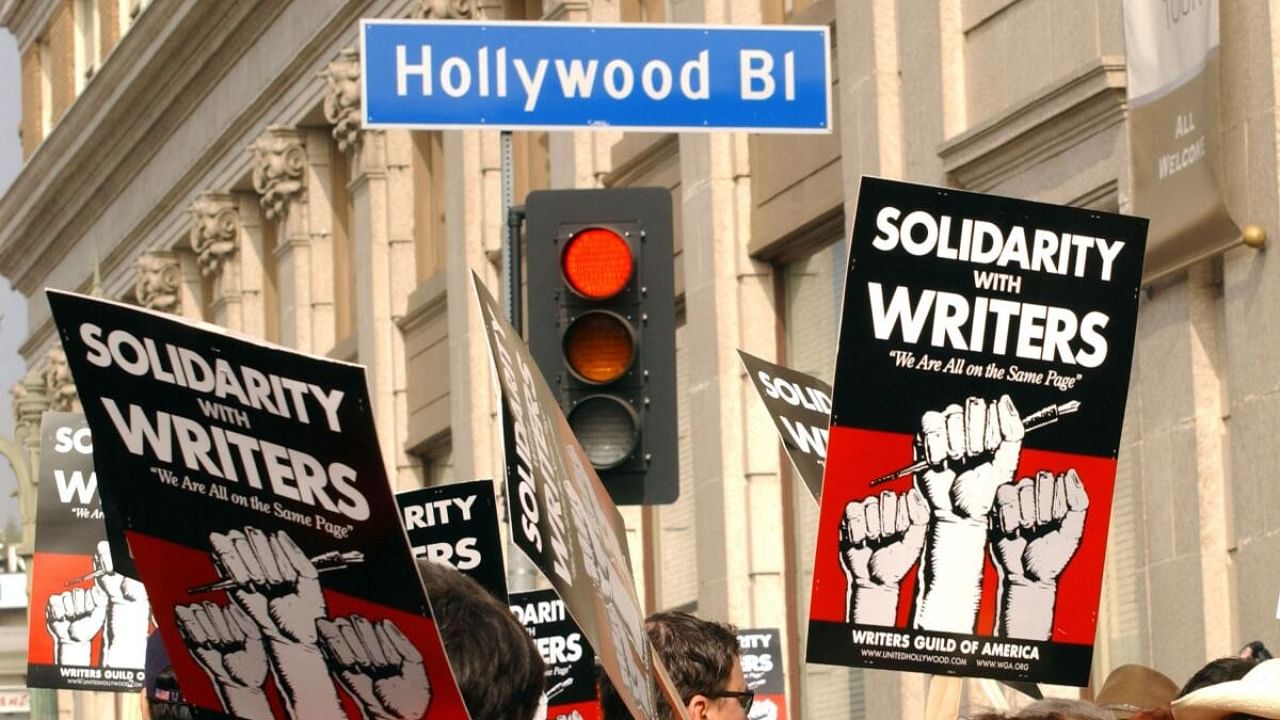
(1023, 97)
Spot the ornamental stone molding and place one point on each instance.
(342, 100)
(446, 9)
(159, 280)
(280, 161)
(29, 403)
(59, 387)
(215, 231)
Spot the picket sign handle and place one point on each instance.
(943, 701)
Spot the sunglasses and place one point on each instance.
(744, 697)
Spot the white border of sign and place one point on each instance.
(826, 54)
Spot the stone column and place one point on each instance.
(581, 158)
(313, 213)
(280, 168)
(251, 260)
(215, 241)
(382, 232)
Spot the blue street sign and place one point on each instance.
(547, 75)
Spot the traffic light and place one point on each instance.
(601, 326)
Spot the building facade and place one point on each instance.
(206, 159)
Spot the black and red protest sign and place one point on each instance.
(457, 525)
(257, 510)
(571, 664)
(760, 652)
(563, 519)
(980, 387)
(88, 625)
(800, 406)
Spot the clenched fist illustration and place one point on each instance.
(278, 588)
(228, 645)
(124, 635)
(969, 452)
(880, 539)
(73, 618)
(1036, 527)
(378, 666)
(276, 583)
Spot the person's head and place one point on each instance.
(702, 658)
(1131, 689)
(1217, 671)
(1053, 709)
(1256, 696)
(497, 666)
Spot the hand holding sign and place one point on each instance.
(970, 451)
(228, 645)
(1036, 528)
(73, 618)
(880, 539)
(378, 666)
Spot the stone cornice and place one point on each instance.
(1058, 117)
(26, 19)
(149, 84)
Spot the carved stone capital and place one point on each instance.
(29, 402)
(159, 282)
(59, 387)
(215, 230)
(342, 100)
(280, 163)
(446, 9)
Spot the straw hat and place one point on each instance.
(1130, 688)
(1257, 694)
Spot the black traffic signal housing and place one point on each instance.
(603, 336)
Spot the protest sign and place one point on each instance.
(457, 524)
(88, 625)
(563, 519)
(259, 516)
(980, 386)
(761, 653)
(800, 406)
(571, 664)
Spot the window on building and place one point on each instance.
(812, 295)
(87, 54)
(428, 203)
(46, 87)
(344, 249)
(437, 464)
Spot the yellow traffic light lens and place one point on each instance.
(599, 347)
(597, 263)
(607, 429)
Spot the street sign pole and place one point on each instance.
(519, 569)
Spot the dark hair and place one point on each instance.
(1217, 671)
(699, 655)
(497, 666)
(166, 702)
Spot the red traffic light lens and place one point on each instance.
(597, 263)
(599, 347)
(607, 428)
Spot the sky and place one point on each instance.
(13, 308)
